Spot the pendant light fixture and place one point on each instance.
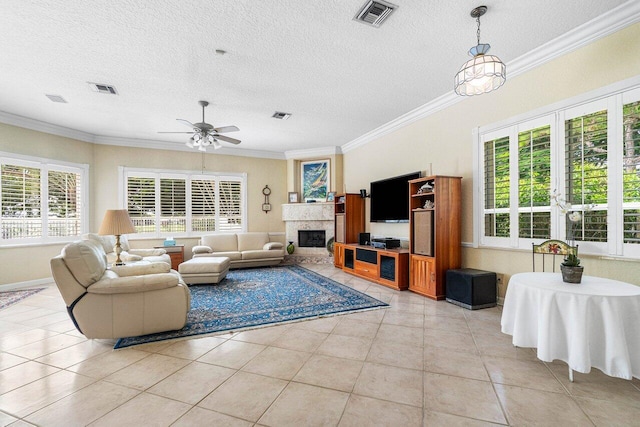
(482, 73)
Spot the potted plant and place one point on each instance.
(571, 268)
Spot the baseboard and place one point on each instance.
(27, 284)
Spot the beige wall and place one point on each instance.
(31, 263)
(444, 139)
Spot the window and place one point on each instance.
(496, 187)
(41, 201)
(534, 183)
(586, 175)
(588, 153)
(173, 203)
(631, 172)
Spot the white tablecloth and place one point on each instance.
(594, 323)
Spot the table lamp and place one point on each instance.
(116, 222)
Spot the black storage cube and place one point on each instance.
(471, 288)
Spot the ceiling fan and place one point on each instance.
(205, 134)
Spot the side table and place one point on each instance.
(176, 253)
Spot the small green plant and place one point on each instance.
(571, 260)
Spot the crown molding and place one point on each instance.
(312, 152)
(39, 126)
(173, 146)
(606, 24)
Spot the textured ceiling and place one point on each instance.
(340, 79)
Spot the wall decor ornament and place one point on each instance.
(266, 206)
(315, 180)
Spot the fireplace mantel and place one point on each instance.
(307, 212)
(308, 216)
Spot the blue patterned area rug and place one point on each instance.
(262, 296)
(8, 298)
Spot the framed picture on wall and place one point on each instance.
(315, 180)
(331, 196)
(293, 197)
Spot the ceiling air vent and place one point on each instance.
(103, 88)
(375, 12)
(280, 115)
(56, 98)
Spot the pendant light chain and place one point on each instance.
(478, 21)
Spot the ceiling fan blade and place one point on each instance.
(225, 129)
(227, 139)
(175, 132)
(187, 122)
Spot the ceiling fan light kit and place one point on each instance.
(204, 134)
(483, 73)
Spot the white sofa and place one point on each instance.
(121, 301)
(254, 249)
(128, 254)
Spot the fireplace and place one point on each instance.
(311, 238)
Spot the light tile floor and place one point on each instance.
(417, 363)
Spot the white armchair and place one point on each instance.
(128, 254)
(123, 301)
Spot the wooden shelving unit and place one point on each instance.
(435, 233)
(349, 217)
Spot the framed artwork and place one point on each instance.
(331, 196)
(293, 197)
(315, 180)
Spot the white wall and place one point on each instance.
(30, 264)
(444, 139)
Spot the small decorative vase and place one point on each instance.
(571, 274)
(290, 248)
(330, 246)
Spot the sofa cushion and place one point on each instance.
(134, 284)
(85, 260)
(252, 241)
(234, 256)
(141, 268)
(262, 254)
(220, 242)
(273, 245)
(127, 257)
(199, 249)
(107, 242)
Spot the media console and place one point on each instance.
(388, 267)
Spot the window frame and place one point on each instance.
(612, 99)
(188, 176)
(46, 165)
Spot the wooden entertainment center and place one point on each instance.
(388, 267)
(435, 239)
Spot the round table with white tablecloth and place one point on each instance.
(595, 323)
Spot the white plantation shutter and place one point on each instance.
(534, 188)
(64, 203)
(203, 205)
(21, 202)
(141, 203)
(496, 187)
(631, 173)
(586, 180)
(230, 206)
(169, 203)
(173, 206)
(41, 201)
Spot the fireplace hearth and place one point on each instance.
(311, 238)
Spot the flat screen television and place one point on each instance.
(390, 199)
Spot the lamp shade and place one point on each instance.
(481, 74)
(116, 222)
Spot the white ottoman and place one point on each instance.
(204, 270)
